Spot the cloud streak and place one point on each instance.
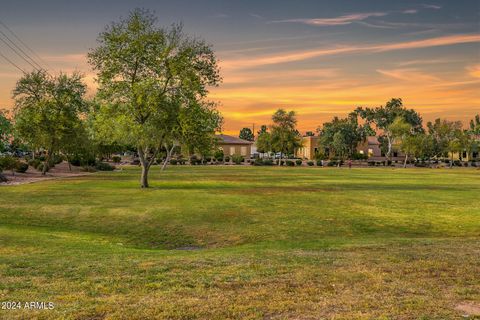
(337, 21)
(315, 53)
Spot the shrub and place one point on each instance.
(34, 163)
(89, 169)
(135, 162)
(290, 163)
(8, 163)
(371, 163)
(103, 166)
(237, 159)
(227, 159)
(332, 163)
(22, 167)
(267, 162)
(41, 166)
(319, 163)
(310, 163)
(257, 162)
(173, 162)
(298, 162)
(116, 159)
(218, 155)
(57, 159)
(359, 156)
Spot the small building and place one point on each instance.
(309, 149)
(233, 145)
(370, 147)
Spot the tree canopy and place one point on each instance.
(143, 72)
(48, 110)
(246, 134)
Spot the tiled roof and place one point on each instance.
(224, 139)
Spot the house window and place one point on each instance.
(475, 155)
(243, 151)
(464, 154)
(361, 152)
(370, 152)
(232, 151)
(395, 154)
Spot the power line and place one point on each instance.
(20, 49)
(12, 63)
(14, 50)
(24, 44)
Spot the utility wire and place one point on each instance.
(24, 44)
(12, 63)
(21, 50)
(14, 50)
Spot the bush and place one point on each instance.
(257, 162)
(227, 159)
(22, 167)
(218, 155)
(310, 163)
(34, 163)
(319, 163)
(173, 162)
(298, 162)
(267, 162)
(41, 166)
(57, 159)
(371, 163)
(89, 169)
(359, 156)
(8, 163)
(237, 159)
(332, 163)
(290, 163)
(103, 166)
(116, 159)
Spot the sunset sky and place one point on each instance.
(319, 58)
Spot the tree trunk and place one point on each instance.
(389, 151)
(405, 162)
(167, 159)
(45, 163)
(145, 168)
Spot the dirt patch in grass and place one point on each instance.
(32, 175)
(469, 308)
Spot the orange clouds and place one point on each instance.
(314, 53)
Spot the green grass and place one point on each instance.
(270, 243)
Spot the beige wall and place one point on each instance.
(307, 151)
(231, 149)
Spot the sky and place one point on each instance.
(319, 58)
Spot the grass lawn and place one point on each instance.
(244, 243)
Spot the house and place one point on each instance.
(465, 155)
(233, 145)
(310, 147)
(370, 147)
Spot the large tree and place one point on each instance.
(5, 130)
(142, 69)
(246, 134)
(445, 135)
(382, 117)
(284, 135)
(475, 125)
(340, 137)
(48, 110)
